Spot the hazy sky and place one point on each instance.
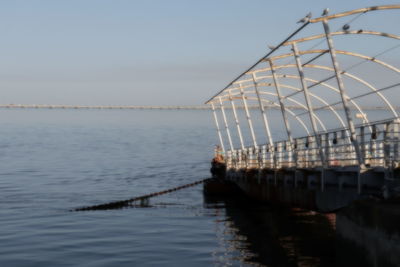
(127, 52)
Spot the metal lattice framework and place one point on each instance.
(304, 78)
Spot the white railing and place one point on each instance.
(378, 143)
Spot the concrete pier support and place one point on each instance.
(301, 188)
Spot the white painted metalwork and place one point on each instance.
(380, 146)
(328, 144)
(250, 123)
(221, 142)
(338, 73)
(281, 104)
(236, 120)
(308, 102)
(262, 109)
(228, 132)
(299, 104)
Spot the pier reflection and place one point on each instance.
(256, 235)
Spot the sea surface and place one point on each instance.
(53, 161)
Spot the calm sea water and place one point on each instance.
(52, 161)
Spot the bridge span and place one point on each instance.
(49, 106)
(160, 107)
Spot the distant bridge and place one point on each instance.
(47, 106)
(161, 107)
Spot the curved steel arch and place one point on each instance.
(308, 21)
(359, 32)
(298, 90)
(275, 104)
(396, 70)
(298, 103)
(352, 76)
(315, 81)
(355, 11)
(364, 84)
(316, 97)
(347, 53)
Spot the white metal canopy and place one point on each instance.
(307, 77)
(293, 87)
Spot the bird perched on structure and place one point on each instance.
(346, 27)
(306, 18)
(326, 11)
(271, 47)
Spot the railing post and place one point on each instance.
(228, 132)
(218, 129)
(254, 158)
(279, 154)
(306, 152)
(246, 109)
(362, 141)
(236, 120)
(235, 159)
(263, 155)
(395, 142)
(296, 147)
(343, 147)
(244, 158)
(240, 159)
(338, 74)
(387, 143)
(259, 161)
(373, 146)
(327, 149)
(275, 149)
(228, 159)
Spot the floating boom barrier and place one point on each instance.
(129, 202)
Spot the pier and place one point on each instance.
(333, 150)
(331, 154)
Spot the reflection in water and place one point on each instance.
(232, 245)
(270, 236)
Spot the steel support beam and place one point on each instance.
(263, 113)
(310, 112)
(281, 104)
(236, 120)
(218, 129)
(343, 96)
(228, 132)
(246, 109)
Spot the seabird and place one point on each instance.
(306, 18)
(346, 27)
(326, 11)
